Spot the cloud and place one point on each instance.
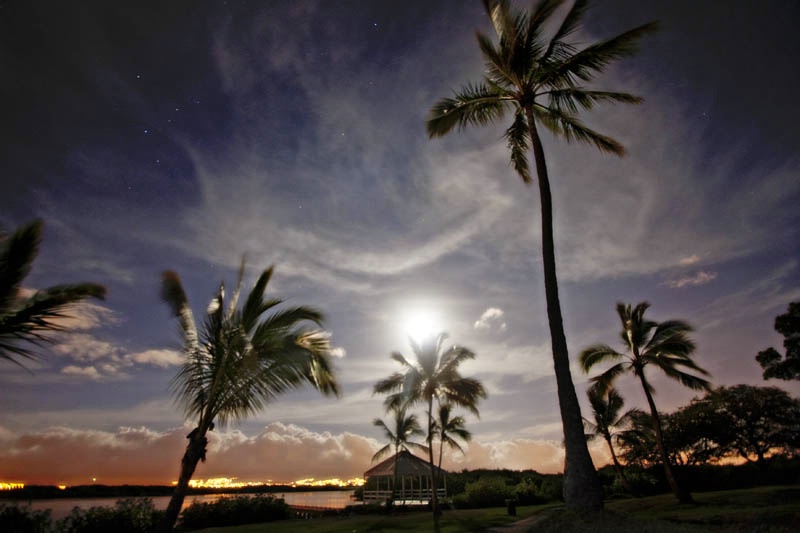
(700, 278)
(87, 371)
(689, 260)
(338, 352)
(491, 319)
(159, 358)
(280, 452)
(140, 455)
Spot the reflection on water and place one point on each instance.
(332, 499)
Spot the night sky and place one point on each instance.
(180, 135)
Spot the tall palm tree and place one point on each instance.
(450, 429)
(239, 361)
(538, 75)
(606, 409)
(432, 376)
(405, 428)
(27, 320)
(666, 346)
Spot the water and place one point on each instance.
(61, 507)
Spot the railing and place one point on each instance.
(402, 495)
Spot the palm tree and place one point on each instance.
(540, 78)
(665, 345)
(447, 428)
(238, 362)
(26, 320)
(606, 408)
(432, 375)
(405, 428)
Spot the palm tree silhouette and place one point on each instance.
(27, 320)
(432, 375)
(607, 419)
(405, 428)
(238, 362)
(666, 346)
(540, 78)
(449, 430)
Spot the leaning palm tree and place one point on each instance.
(664, 345)
(607, 420)
(405, 428)
(538, 76)
(432, 376)
(450, 429)
(239, 361)
(27, 320)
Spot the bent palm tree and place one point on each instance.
(447, 428)
(665, 345)
(238, 362)
(539, 79)
(433, 375)
(405, 428)
(27, 320)
(606, 408)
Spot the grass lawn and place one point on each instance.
(453, 521)
(763, 509)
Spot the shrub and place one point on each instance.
(234, 511)
(131, 515)
(14, 518)
(490, 491)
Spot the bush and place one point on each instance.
(16, 519)
(490, 491)
(131, 515)
(234, 511)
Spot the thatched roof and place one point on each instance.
(407, 465)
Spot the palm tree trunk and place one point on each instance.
(681, 495)
(434, 475)
(195, 451)
(582, 489)
(618, 468)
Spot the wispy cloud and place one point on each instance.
(700, 278)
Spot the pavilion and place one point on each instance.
(413, 481)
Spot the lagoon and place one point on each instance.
(61, 507)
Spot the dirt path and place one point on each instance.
(524, 525)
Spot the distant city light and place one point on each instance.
(234, 483)
(11, 485)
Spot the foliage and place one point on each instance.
(131, 515)
(241, 359)
(234, 511)
(433, 375)
(754, 422)
(450, 429)
(666, 346)
(404, 428)
(785, 367)
(30, 319)
(489, 491)
(18, 519)
(535, 71)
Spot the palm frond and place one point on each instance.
(476, 104)
(518, 137)
(568, 26)
(597, 354)
(571, 129)
(382, 451)
(173, 294)
(16, 260)
(593, 59)
(604, 381)
(572, 99)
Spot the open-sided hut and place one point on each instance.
(413, 480)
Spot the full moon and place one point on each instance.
(421, 325)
